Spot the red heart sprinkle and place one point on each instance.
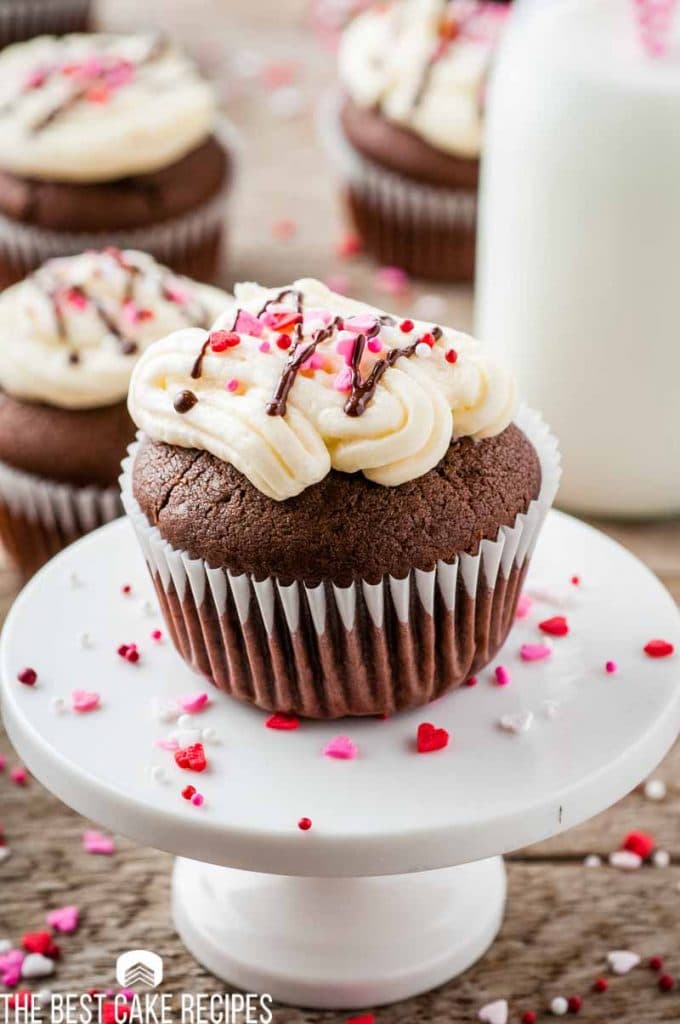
(188, 792)
(192, 758)
(557, 626)
(659, 649)
(640, 843)
(282, 721)
(40, 942)
(27, 676)
(430, 738)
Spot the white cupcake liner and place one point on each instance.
(24, 19)
(325, 651)
(38, 517)
(406, 201)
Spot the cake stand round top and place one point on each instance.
(561, 741)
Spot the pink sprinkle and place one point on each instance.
(246, 323)
(64, 920)
(611, 667)
(169, 745)
(193, 703)
(265, 346)
(315, 362)
(374, 345)
(175, 293)
(523, 606)
(98, 843)
(36, 78)
(392, 280)
(197, 799)
(341, 748)
(84, 700)
(278, 75)
(343, 380)
(156, 635)
(344, 346)
(360, 324)
(318, 313)
(535, 652)
(76, 298)
(284, 229)
(19, 776)
(232, 385)
(502, 675)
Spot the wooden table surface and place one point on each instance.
(562, 918)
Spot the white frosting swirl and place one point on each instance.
(448, 386)
(424, 64)
(70, 333)
(87, 108)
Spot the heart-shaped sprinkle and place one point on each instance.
(659, 649)
(11, 960)
(641, 843)
(494, 1013)
(622, 961)
(517, 723)
(37, 966)
(342, 748)
(40, 942)
(190, 705)
(64, 919)
(98, 843)
(535, 652)
(282, 721)
(556, 626)
(11, 977)
(192, 758)
(84, 700)
(431, 738)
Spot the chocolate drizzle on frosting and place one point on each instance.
(296, 360)
(363, 390)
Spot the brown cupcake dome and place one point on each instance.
(25, 19)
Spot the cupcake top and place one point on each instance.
(87, 108)
(294, 381)
(71, 332)
(423, 64)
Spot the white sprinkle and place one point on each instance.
(149, 609)
(423, 350)
(517, 723)
(185, 722)
(164, 711)
(209, 735)
(157, 774)
(494, 1013)
(655, 789)
(559, 1006)
(85, 641)
(75, 581)
(592, 861)
(58, 705)
(550, 708)
(36, 965)
(661, 858)
(5, 853)
(5, 946)
(622, 961)
(625, 860)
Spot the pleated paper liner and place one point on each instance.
(24, 19)
(39, 517)
(426, 230)
(327, 651)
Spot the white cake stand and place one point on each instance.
(399, 884)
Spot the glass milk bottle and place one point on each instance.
(578, 278)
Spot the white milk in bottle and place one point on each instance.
(578, 278)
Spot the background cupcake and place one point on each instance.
(335, 504)
(69, 337)
(23, 19)
(108, 139)
(407, 132)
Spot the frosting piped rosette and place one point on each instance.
(293, 382)
(73, 329)
(424, 64)
(97, 107)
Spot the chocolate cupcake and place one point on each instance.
(24, 19)
(337, 506)
(406, 132)
(69, 337)
(108, 140)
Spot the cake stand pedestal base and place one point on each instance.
(338, 943)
